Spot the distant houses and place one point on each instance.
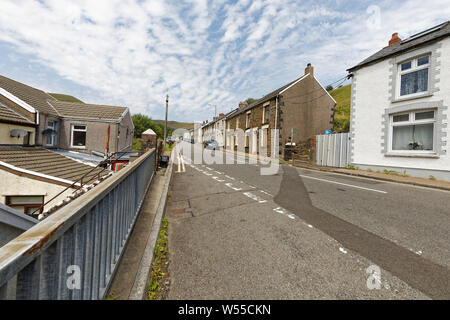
(400, 106)
(299, 110)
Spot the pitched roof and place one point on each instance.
(87, 111)
(268, 97)
(10, 115)
(32, 96)
(149, 132)
(43, 161)
(433, 34)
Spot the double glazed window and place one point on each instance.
(78, 136)
(413, 75)
(30, 205)
(413, 131)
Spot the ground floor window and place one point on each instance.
(30, 205)
(78, 136)
(413, 131)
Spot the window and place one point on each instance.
(51, 136)
(78, 136)
(266, 114)
(247, 120)
(28, 205)
(238, 122)
(413, 76)
(413, 131)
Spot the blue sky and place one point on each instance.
(200, 52)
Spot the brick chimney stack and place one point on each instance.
(394, 39)
(309, 69)
(243, 105)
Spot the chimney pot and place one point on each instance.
(395, 38)
(309, 69)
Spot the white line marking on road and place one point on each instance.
(230, 177)
(262, 191)
(343, 250)
(254, 197)
(210, 169)
(284, 212)
(217, 179)
(229, 185)
(218, 172)
(310, 226)
(207, 174)
(343, 184)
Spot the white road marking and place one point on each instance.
(230, 177)
(284, 212)
(343, 184)
(229, 185)
(310, 226)
(218, 172)
(217, 179)
(254, 197)
(207, 174)
(210, 169)
(343, 250)
(262, 191)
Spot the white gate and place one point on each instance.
(332, 150)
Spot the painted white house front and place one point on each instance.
(399, 106)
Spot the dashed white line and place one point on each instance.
(229, 185)
(254, 197)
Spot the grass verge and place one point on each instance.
(159, 283)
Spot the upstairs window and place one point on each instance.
(266, 114)
(247, 120)
(413, 131)
(413, 75)
(51, 136)
(29, 205)
(78, 136)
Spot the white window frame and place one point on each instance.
(412, 121)
(72, 129)
(53, 136)
(414, 68)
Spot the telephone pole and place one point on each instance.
(165, 122)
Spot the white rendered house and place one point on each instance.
(399, 106)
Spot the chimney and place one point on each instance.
(309, 69)
(394, 39)
(243, 105)
(221, 114)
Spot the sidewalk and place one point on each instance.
(392, 177)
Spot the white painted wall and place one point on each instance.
(371, 99)
(14, 185)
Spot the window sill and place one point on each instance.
(412, 155)
(78, 148)
(406, 98)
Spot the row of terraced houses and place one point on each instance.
(399, 109)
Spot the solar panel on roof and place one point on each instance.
(420, 34)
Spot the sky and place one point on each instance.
(203, 54)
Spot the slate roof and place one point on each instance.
(34, 97)
(46, 162)
(87, 111)
(10, 115)
(267, 97)
(433, 34)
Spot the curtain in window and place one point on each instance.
(416, 137)
(401, 137)
(414, 82)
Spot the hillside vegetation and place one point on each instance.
(65, 97)
(176, 125)
(342, 109)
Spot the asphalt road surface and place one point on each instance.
(302, 234)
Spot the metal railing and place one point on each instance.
(74, 253)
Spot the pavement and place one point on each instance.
(122, 287)
(303, 234)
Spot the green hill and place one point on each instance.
(176, 125)
(342, 109)
(65, 97)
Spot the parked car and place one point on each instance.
(212, 145)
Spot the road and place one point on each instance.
(303, 234)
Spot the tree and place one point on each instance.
(141, 123)
(329, 87)
(250, 101)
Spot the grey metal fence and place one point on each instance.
(74, 253)
(332, 150)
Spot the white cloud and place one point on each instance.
(200, 52)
